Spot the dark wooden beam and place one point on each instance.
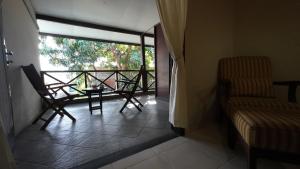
(93, 39)
(155, 57)
(144, 74)
(90, 25)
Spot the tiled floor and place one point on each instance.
(65, 144)
(204, 149)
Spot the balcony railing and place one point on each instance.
(107, 78)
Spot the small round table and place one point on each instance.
(91, 92)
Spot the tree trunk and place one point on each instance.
(127, 57)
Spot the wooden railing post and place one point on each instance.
(144, 73)
(43, 76)
(117, 78)
(85, 80)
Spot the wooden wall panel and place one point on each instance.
(162, 64)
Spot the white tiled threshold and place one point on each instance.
(204, 149)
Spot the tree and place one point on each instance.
(76, 54)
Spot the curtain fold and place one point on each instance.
(173, 15)
(6, 158)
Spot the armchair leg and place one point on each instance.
(231, 134)
(251, 158)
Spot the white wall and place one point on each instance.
(271, 28)
(217, 28)
(209, 38)
(22, 38)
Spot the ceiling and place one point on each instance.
(84, 32)
(137, 15)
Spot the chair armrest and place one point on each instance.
(287, 83)
(292, 89)
(53, 84)
(61, 86)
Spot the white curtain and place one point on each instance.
(6, 158)
(173, 20)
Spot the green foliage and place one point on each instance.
(86, 55)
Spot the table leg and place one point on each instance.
(100, 100)
(90, 102)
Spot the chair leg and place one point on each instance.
(40, 116)
(251, 158)
(137, 107)
(61, 114)
(68, 114)
(138, 101)
(49, 120)
(127, 101)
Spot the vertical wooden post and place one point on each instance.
(144, 74)
(155, 57)
(43, 76)
(85, 80)
(117, 78)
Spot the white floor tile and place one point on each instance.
(193, 153)
(213, 150)
(134, 159)
(107, 167)
(187, 156)
(153, 163)
(169, 144)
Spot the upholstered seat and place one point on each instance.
(234, 103)
(273, 129)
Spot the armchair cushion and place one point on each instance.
(251, 87)
(235, 103)
(273, 129)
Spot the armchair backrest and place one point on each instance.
(247, 75)
(35, 79)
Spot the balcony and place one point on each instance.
(94, 140)
(108, 78)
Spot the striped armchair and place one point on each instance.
(266, 125)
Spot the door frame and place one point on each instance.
(11, 133)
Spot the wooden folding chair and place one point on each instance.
(49, 94)
(129, 88)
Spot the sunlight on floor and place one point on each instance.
(151, 102)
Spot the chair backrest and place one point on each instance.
(248, 75)
(35, 79)
(138, 79)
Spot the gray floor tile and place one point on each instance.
(65, 144)
(26, 165)
(39, 152)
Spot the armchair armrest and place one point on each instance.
(292, 89)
